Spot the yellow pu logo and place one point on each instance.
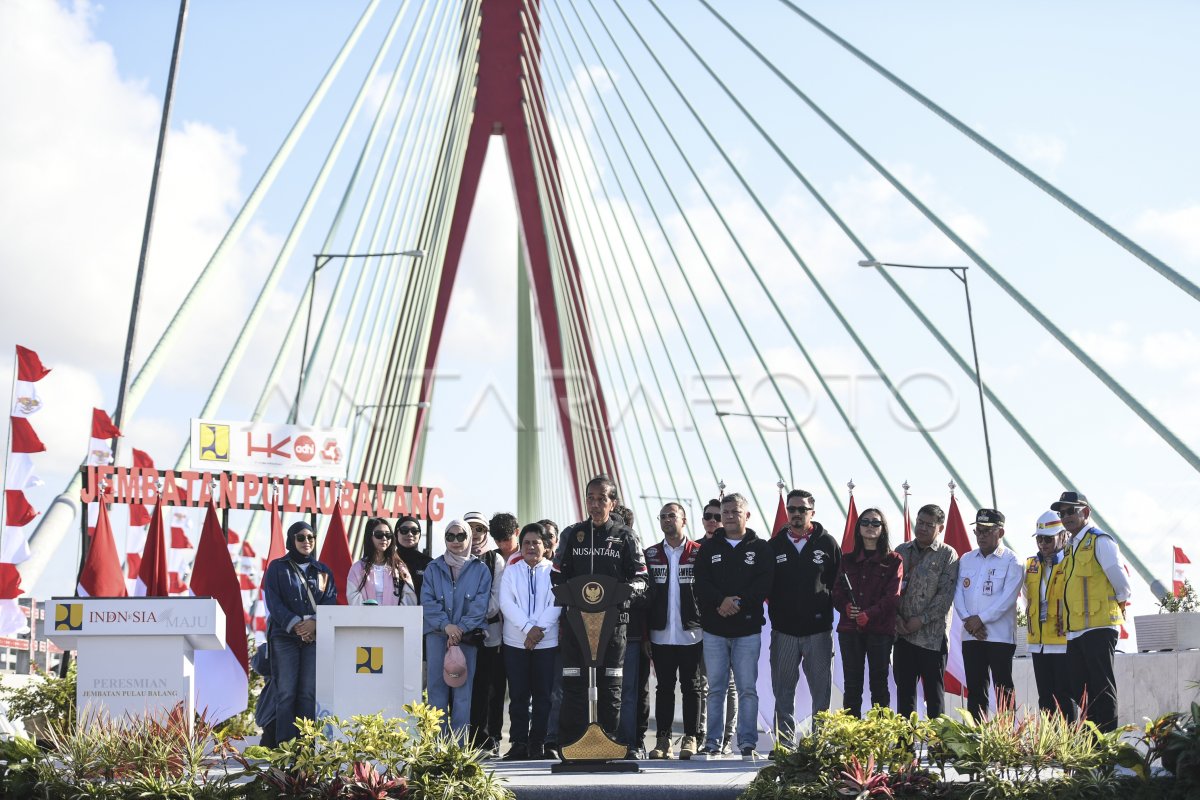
(68, 617)
(214, 442)
(370, 661)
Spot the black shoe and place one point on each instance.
(537, 752)
(518, 752)
(552, 751)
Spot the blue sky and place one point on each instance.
(1099, 98)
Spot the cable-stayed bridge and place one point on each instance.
(695, 185)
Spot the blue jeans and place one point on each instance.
(740, 652)
(555, 698)
(294, 677)
(440, 695)
(530, 676)
(626, 728)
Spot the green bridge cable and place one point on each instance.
(1037, 180)
(1016, 425)
(653, 318)
(599, 303)
(420, 289)
(409, 171)
(573, 288)
(1115, 387)
(674, 254)
(783, 238)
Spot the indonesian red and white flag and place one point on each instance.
(851, 524)
(1180, 571)
(101, 575)
(152, 579)
(221, 675)
(907, 516)
(335, 554)
(275, 550)
(13, 621)
(956, 537)
(24, 440)
(781, 517)
(99, 446)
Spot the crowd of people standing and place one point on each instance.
(696, 616)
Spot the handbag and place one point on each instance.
(473, 638)
(261, 663)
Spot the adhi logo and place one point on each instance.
(305, 448)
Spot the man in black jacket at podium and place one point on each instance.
(600, 545)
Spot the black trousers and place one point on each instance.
(980, 658)
(682, 663)
(642, 718)
(1094, 681)
(1052, 672)
(487, 695)
(876, 650)
(911, 663)
(530, 677)
(573, 713)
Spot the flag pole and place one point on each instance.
(12, 401)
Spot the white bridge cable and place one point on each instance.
(151, 367)
(265, 296)
(568, 104)
(706, 256)
(575, 161)
(600, 310)
(385, 443)
(876, 366)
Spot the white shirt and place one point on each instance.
(988, 587)
(1109, 558)
(674, 634)
(526, 601)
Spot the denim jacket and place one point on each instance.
(463, 602)
(287, 601)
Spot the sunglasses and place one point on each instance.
(713, 517)
(799, 509)
(1046, 539)
(456, 537)
(409, 531)
(382, 534)
(1068, 512)
(304, 537)
(871, 523)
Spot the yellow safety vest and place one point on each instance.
(1090, 598)
(1052, 631)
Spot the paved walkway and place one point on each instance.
(715, 779)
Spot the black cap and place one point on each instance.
(1069, 500)
(989, 518)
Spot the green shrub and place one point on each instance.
(53, 696)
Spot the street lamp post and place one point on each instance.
(959, 272)
(320, 260)
(667, 499)
(782, 420)
(360, 408)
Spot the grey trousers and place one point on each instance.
(788, 653)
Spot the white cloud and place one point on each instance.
(1040, 150)
(1179, 227)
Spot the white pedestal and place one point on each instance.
(135, 655)
(368, 659)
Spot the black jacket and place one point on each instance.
(801, 598)
(660, 586)
(417, 562)
(746, 571)
(608, 549)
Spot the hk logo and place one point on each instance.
(214, 442)
(68, 617)
(370, 661)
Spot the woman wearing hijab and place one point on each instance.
(408, 541)
(867, 594)
(293, 587)
(379, 577)
(455, 596)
